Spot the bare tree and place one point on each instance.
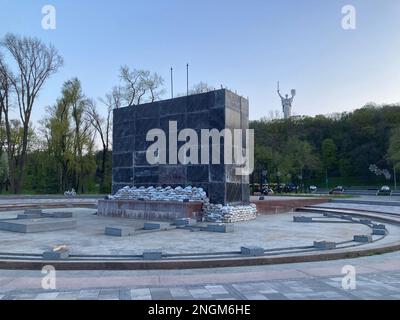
(35, 63)
(5, 92)
(113, 99)
(153, 83)
(134, 88)
(201, 87)
(140, 86)
(102, 125)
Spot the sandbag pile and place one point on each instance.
(229, 214)
(160, 194)
(211, 212)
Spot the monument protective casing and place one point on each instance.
(217, 109)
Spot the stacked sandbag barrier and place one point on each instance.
(160, 194)
(211, 212)
(229, 214)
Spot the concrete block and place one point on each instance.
(23, 216)
(56, 254)
(58, 215)
(378, 232)
(37, 225)
(33, 211)
(185, 222)
(156, 226)
(346, 217)
(302, 219)
(324, 245)
(362, 238)
(154, 254)
(221, 228)
(117, 231)
(252, 251)
(328, 214)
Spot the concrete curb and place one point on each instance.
(192, 264)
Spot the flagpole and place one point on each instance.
(187, 79)
(172, 83)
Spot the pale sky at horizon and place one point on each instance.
(245, 45)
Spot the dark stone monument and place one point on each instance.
(218, 109)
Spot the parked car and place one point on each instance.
(290, 188)
(384, 191)
(337, 190)
(313, 189)
(276, 188)
(267, 191)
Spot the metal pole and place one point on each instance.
(187, 79)
(172, 83)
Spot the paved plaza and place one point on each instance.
(377, 277)
(267, 231)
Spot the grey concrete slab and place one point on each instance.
(37, 225)
(221, 228)
(58, 215)
(302, 219)
(252, 251)
(363, 238)
(119, 231)
(153, 254)
(324, 245)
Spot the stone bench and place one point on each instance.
(221, 228)
(156, 226)
(252, 251)
(39, 225)
(58, 215)
(324, 245)
(152, 254)
(119, 231)
(302, 219)
(362, 238)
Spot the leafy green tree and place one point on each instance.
(394, 147)
(4, 171)
(328, 151)
(33, 64)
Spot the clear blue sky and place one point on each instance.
(244, 45)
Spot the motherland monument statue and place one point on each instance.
(287, 103)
